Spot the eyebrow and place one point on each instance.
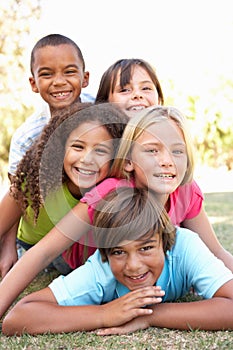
(159, 143)
(97, 144)
(141, 242)
(68, 66)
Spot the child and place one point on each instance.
(158, 150)
(58, 75)
(124, 286)
(132, 84)
(51, 189)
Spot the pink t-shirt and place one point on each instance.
(185, 201)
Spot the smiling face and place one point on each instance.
(58, 75)
(89, 151)
(159, 158)
(140, 93)
(138, 263)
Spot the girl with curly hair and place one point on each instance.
(73, 153)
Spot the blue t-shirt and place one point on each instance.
(189, 264)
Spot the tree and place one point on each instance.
(15, 20)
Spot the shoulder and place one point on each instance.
(102, 189)
(33, 125)
(190, 190)
(96, 284)
(195, 265)
(85, 97)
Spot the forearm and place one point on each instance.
(41, 317)
(10, 214)
(8, 252)
(23, 272)
(212, 314)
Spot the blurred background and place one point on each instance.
(188, 42)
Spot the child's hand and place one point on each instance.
(131, 305)
(129, 327)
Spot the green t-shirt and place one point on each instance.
(56, 206)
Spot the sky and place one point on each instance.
(187, 41)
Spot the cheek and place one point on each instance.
(105, 165)
(157, 262)
(116, 266)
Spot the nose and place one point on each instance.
(87, 157)
(137, 94)
(133, 264)
(59, 79)
(166, 159)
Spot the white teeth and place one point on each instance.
(60, 94)
(86, 172)
(137, 108)
(137, 278)
(165, 176)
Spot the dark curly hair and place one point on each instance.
(41, 171)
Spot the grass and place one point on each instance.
(219, 207)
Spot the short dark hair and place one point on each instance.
(54, 40)
(130, 214)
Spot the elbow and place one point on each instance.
(13, 323)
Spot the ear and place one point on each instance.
(85, 82)
(129, 167)
(33, 84)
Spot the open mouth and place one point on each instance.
(165, 176)
(61, 94)
(136, 108)
(139, 277)
(86, 172)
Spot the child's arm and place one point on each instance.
(71, 227)
(211, 314)
(203, 227)
(8, 251)
(10, 214)
(40, 313)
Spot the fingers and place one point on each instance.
(145, 296)
(110, 331)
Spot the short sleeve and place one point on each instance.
(185, 203)
(93, 197)
(91, 284)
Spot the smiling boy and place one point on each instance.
(143, 262)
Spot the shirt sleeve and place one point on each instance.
(93, 197)
(185, 203)
(91, 284)
(199, 267)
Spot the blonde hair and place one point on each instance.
(141, 122)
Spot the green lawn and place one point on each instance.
(219, 207)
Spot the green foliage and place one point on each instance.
(15, 19)
(211, 122)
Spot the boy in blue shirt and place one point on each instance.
(143, 262)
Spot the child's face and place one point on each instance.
(89, 151)
(138, 263)
(140, 93)
(58, 75)
(159, 158)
